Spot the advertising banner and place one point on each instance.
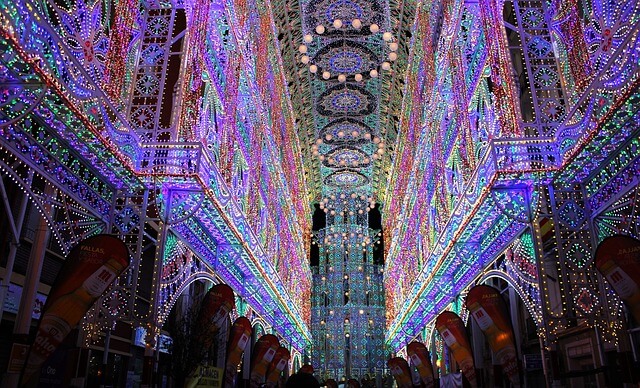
(452, 331)
(214, 310)
(238, 340)
(263, 353)
(420, 358)
(278, 364)
(489, 311)
(400, 370)
(618, 260)
(90, 268)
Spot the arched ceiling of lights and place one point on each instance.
(346, 63)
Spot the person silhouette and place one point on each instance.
(302, 380)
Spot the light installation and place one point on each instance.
(151, 176)
(348, 49)
(512, 126)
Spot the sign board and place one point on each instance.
(17, 358)
(532, 361)
(164, 342)
(12, 301)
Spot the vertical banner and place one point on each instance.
(420, 358)
(490, 313)
(618, 260)
(263, 353)
(88, 271)
(214, 310)
(400, 370)
(238, 340)
(452, 331)
(279, 362)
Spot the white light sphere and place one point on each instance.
(315, 152)
(305, 59)
(353, 195)
(320, 29)
(340, 133)
(356, 23)
(366, 160)
(393, 46)
(326, 75)
(358, 77)
(393, 56)
(381, 145)
(373, 73)
(367, 136)
(387, 36)
(355, 133)
(308, 38)
(386, 66)
(342, 78)
(360, 211)
(328, 136)
(302, 49)
(321, 157)
(376, 140)
(313, 68)
(318, 141)
(374, 28)
(337, 23)
(380, 151)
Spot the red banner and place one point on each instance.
(88, 271)
(214, 310)
(490, 313)
(263, 353)
(420, 358)
(279, 362)
(400, 370)
(618, 259)
(238, 340)
(454, 334)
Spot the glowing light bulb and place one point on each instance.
(373, 73)
(393, 56)
(387, 36)
(393, 46)
(313, 68)
(337, 23)
(326, 75)
(342, 78)
(358, 77)
(302, 49)
(386, 66)
(356, 23)
(305, 59)
(308, 38)
(374, 28)
(320, 29)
